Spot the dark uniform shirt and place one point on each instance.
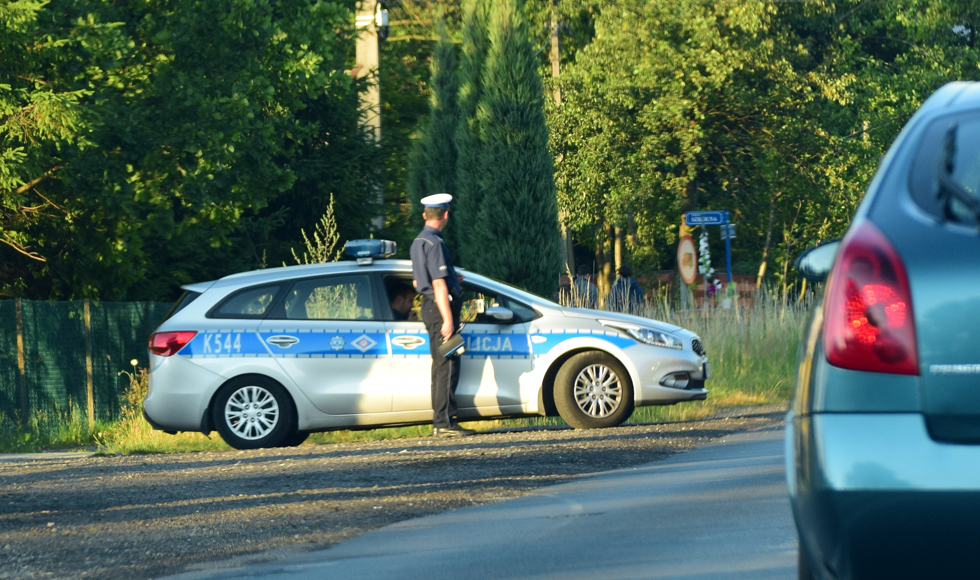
(431, 261)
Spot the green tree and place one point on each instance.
(197, 127)
(515, 235)
(39, 118)
(469, 139)
(432, 161)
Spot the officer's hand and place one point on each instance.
(460, 276)
(447, 330)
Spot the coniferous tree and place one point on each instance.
(468, 141)
(432, 161)
(518, 215)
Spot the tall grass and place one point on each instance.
(132, 434)
(50, 427)
(752, 353)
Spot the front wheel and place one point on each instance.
(593, 390)
(253, 412)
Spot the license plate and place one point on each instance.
(707, 370)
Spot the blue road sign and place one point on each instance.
(706, 218)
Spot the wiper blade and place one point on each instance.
(950, 189)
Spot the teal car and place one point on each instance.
(883, 434)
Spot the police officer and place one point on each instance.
(437, 281)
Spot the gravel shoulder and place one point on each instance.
(144, 516)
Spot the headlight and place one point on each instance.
(646, 335)
(655, 337)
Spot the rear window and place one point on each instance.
(933, 156)
(331, 298)
(185, 299)
(248, 303)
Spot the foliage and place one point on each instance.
(469, 168)
(172, 140)
(516, 215)
(323, 247)
(777, 112)
(432, 161)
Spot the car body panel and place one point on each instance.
(883, 469)
(347, 373)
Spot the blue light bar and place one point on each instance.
(366, 250)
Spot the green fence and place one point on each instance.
(57, 358)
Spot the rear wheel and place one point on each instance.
(296, 439)
(593, 390)
(254, 412)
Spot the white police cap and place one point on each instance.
(437, 200)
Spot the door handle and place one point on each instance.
(282, 341)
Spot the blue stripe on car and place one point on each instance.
(354, 343)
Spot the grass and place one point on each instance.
(752, 353)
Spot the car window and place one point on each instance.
(476, 300)
(185, 299)
(406, 305)
(932, 157)
(248, 303)
(331, 298)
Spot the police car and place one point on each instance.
(269, 356)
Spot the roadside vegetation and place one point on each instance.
(752, 353)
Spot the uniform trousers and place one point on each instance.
(445, 371)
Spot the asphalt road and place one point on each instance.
(719, 511)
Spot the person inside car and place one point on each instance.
(402, 298)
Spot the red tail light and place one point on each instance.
(868, 323)
(168, 343)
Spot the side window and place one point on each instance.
(947, 141)
(406, 305)
(332, 298)
(247, 303)
(476, 301)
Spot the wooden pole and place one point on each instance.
(25, 401)
(367, 61)
(89, 384)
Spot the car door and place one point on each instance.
(497, 354)
(328, 336)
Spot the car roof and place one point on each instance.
(269, 275)
(953, 97)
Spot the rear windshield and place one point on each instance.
(935, 155)
(181, 303)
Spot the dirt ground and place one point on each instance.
(144, 516)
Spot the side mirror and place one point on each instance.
(815, 264)
(500, 314)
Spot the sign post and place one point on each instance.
(687, 265)
(715, 218)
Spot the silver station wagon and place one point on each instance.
(267, 357)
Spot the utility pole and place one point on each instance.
(371, 18)
(567, 252)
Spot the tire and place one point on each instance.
(593, 391)
(268, 424)
(295, 439)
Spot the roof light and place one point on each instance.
(365, 251)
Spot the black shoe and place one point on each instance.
(454, 431)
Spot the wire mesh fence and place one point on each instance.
(63, 358)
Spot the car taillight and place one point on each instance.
(168, 343)
(868, 323)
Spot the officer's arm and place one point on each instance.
(440, 292)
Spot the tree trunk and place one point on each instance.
(618, 247)
(765, 248)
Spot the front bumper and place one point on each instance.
(875, 496)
